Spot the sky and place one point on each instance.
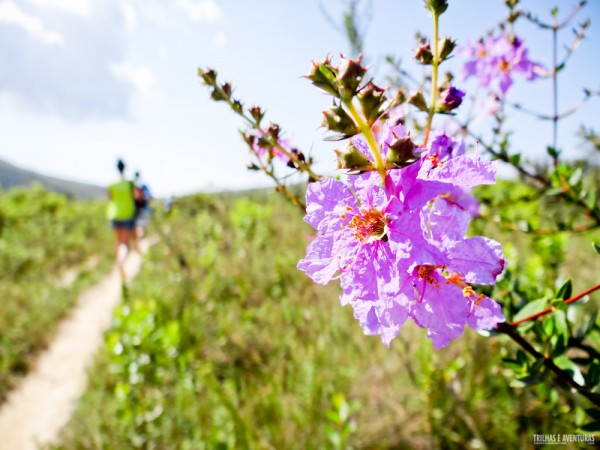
(84, 82)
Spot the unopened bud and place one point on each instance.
(371, 99)
(423, 54)
(401, 151)
(451, 99)
(323, 75)
(350, 76)
(436, 7)
(252, 166)
(273, 131)
(351, 159)
(337, 119)
(256, 113)
(209, 76)
(447, 45)
(417, 99)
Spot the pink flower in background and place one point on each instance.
(496, 60)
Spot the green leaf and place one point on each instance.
(514, 364)
(593, 374)
(552, 151)
(575, 178)
(565, 291)
(530, 308)
(596, 247)
(591, 427)
(548, 325)
(529, 380)
(564, 363)
(515, 159)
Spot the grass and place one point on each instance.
(42, 236)
(222, 343)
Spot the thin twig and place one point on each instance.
(551, 309)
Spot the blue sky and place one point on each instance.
(83, 82)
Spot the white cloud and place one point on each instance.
(130, 17)
(141, 77)
(10, 13)
(81, 8)
(201, 10)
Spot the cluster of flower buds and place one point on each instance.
(266, 144)
(343, 120)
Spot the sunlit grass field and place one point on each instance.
(43, 237)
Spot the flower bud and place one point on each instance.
(256, 113)
(323, 75)
(447, 45)
(337, 119)
(401, 151)
(417, 99)
(423, 53)
(451, 99)
(350, 75)
(351, 159)
(273, 131)
(371, 99)
(209, 76)
(436, 7)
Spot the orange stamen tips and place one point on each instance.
(504, 66)
(468, 291)
(369, 225)
(435, 162)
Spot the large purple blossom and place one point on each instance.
(496, 59)
(399, 248)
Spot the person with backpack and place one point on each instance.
(142, 197)
(121, 214)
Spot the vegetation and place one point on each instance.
(43, 236)
(222, 343)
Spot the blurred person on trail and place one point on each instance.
(142, 197)
(121, 214)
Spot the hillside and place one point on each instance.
(13, 176)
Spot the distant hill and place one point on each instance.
(13, 176)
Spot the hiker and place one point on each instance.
(142, 197)
(120, 212)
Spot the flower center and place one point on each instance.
(369, 226)
(504, 66)
(481, 52)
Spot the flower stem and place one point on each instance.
(367, 132)
(434, 75)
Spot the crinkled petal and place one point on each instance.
(478, 259)
(445, 221)
(443, 311)
(460, 171)
(323, 197)
(485, 315)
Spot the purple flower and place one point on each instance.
(496, 60)
(452, 98)
(399, 248)
(446, 162)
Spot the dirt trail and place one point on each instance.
(43, 402)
